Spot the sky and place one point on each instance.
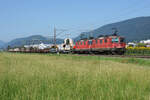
(22, 18)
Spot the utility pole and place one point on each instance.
(54, 36)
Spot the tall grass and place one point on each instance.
(66, 77)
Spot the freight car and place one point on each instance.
(111, 44)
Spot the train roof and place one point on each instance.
(110, 36)
(101, 37)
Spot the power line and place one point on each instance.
(56, 34)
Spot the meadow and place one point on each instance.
(71, 77)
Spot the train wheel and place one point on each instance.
(114, 53)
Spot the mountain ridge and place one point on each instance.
(134, 29)
(33, 39)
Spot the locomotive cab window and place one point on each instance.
(115, 40)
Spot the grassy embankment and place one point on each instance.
(66, 77)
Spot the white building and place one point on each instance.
(145, 41)
(131, 44)
(39, 46)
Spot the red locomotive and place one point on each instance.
(112, 44)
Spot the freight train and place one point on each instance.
(110, 44)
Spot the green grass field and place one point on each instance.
(67, 77)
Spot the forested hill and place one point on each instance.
(35, 39)
(132, 29)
